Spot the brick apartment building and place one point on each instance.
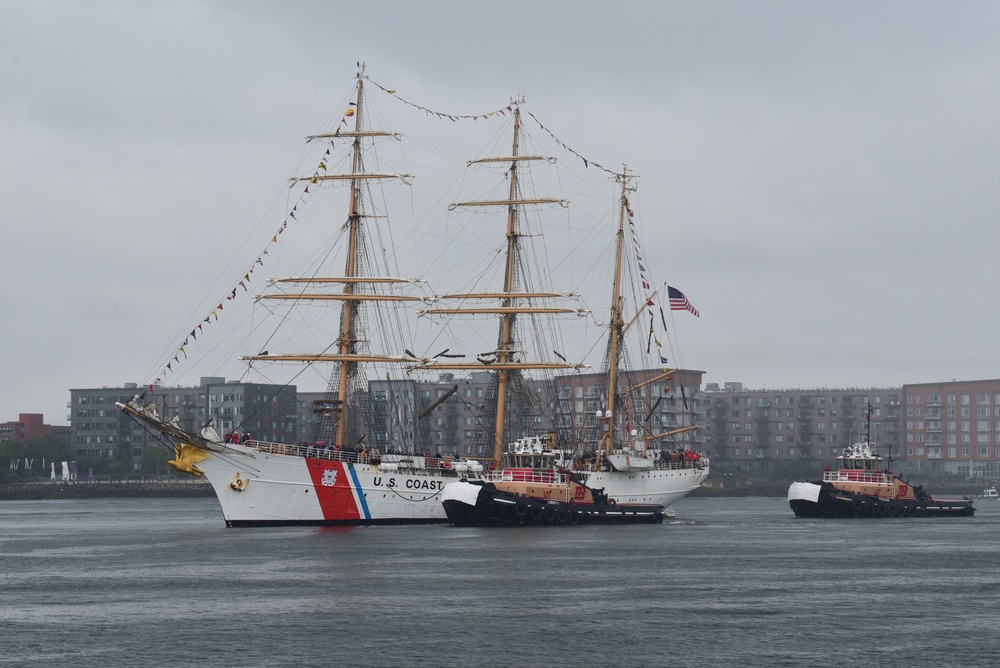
(30, 427)
(951, 427)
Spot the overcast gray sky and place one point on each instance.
(825, 172)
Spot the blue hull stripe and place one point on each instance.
(361, 494)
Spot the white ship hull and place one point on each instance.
(653, 486)
(257, 488)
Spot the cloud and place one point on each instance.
(818, 178)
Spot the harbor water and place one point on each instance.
(728, 582)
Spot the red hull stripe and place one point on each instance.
(333, 488)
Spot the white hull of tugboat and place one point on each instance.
(661, 487)
(257, 488)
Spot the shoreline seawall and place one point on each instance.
(88, 489)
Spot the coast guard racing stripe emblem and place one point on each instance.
(333, 490)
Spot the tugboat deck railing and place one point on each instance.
(870, 477)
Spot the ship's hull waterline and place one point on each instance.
(661, 487)
(256, 488)
(259, 489)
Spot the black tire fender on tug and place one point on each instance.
(521, 509)
(858, 504)
(536, 512)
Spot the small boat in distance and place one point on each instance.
(863, 486)
(991, 494)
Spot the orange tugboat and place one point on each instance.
(539, 485)
(862, 486)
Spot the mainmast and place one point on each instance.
(504, 363)
(504, 346)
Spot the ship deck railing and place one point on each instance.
(404, 461)
(665, 465)
(699, 463)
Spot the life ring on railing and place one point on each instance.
(446, 465)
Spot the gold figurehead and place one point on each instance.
(187, 456)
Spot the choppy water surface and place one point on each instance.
(729, 582)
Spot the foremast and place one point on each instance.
(347, 346)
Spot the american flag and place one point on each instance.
(678, 302)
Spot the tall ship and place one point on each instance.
(862, 485)
(626, 475)
(357, 469)
(342, 476)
